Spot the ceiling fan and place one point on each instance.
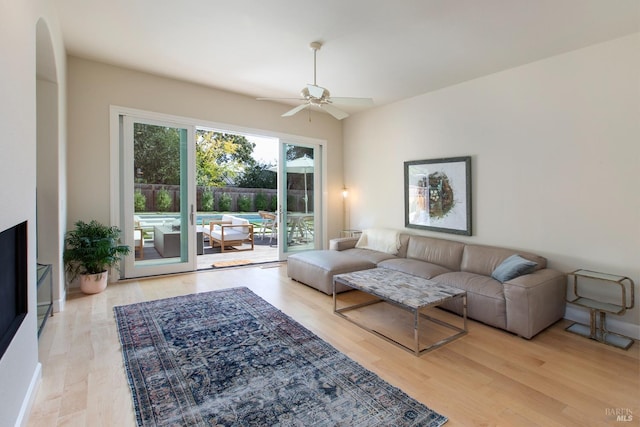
(314, 95)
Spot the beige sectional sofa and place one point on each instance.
(524, 305)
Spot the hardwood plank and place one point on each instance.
(488, 377)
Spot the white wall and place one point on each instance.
(51, 201)
(94, 86)
(555, 149)
(19, 368)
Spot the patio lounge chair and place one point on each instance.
(269, 221)
(231, 231)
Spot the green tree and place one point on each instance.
(207, 200)
(261, 202)
(295, 151)
(139, 201)
(156, 154)
(257, 175)
(221, 157)
(244, 203)
(163, 201)
(224, 202)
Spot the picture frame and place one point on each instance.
(437, 195)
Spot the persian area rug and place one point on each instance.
(229, 358)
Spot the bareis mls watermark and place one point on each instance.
(619, 414)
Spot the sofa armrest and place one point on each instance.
(535, 301)
(342, 243)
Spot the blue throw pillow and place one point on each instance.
(512, 267)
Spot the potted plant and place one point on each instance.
(90, 250)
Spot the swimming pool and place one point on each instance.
(252, 217)
(161, 218)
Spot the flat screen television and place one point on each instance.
(13, 282)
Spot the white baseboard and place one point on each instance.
(30, 397)
(614, 324)
(58, 304)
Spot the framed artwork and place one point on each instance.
(437, 195)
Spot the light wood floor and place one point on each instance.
(486, 378)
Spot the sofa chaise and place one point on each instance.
(524, 301)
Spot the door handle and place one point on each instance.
(191, 215)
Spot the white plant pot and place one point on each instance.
(93, 283)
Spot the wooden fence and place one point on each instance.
(237, 199)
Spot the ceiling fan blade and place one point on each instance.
(319, 97)
(315, 91)
(295, 110)
(334, 111)
(363, 102)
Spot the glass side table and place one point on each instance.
(44, 295)
(599, 305)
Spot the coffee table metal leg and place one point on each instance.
(416, 331)
(334, 297)
(464, 312)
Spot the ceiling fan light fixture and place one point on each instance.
(318, 96)
(315, 45)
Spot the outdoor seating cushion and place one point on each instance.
(235, 220)
(230, 233)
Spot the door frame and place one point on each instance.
(186, 261)
(318, 196)
(115, 111)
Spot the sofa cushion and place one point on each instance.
(380, 239)
(414, 267)
(446, 253)
(485, 297)
(342, 243)
(484, 260)
(368, 255)
(513, 267)
(327, 260)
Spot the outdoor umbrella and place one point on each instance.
(301, 165)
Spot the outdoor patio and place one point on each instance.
(265, 246)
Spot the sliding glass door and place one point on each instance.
(153, 181)
(299, 195)
(157, 196)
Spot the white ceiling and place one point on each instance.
(384, 49)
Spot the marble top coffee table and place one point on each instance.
(411, 293)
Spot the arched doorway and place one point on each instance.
(50, 186)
